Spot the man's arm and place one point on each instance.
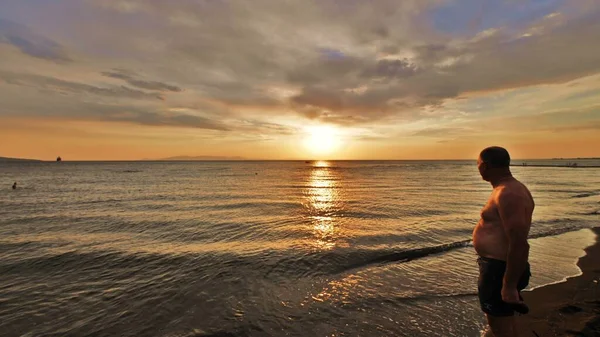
(516, 221)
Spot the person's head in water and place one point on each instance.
(15, 186)
(493, 163)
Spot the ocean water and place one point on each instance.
(264, 248)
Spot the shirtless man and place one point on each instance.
(500, 239)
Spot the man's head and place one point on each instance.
(493, 161)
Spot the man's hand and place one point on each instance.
(510, 295)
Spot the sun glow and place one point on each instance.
(322, 139)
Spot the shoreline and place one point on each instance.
(570, 307)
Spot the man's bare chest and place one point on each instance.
(489, 212)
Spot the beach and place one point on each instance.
(569, 308)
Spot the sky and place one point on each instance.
(299, 79)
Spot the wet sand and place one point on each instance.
(568, 308)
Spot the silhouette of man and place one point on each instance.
(15, 186)
(500, 240)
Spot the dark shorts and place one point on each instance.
(491, 275)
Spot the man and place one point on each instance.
(500, 239)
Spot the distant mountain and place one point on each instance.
(198, 158)
(5, 159)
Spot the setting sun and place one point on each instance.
(322, 139)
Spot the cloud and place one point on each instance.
(31, 43)
(342, 62)
(154, 118)
(592, 126)
(67, 87)
(438, 71)
(148, 85)
(567, 120)
(391, 69)
(442, 132)
(256, 126)
(134, 115)
(48, 105)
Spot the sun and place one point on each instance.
(322, 139)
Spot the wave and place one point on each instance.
(217, 334)
(574, 226)
(404, 256)
(331, 167)
(153, 203)
(585, 195)
(272, 263)
(103, 201)
(436, 296)
(296, 262)
(391, 213)
(344, 260)
(248, 329)
(376, 300)
(252, 204)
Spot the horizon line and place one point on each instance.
(276, 160)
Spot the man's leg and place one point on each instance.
(503, 326)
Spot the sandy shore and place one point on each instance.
(569, 308)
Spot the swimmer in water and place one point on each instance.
(15, 186)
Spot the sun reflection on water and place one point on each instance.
(323, 201)
(321, 163)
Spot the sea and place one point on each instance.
(266, 248)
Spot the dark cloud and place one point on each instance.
(324, 99)
(493, 61)
(339, 76)
(337, 73)
(66, 87)
(391, 69)
(51, 106)
(148, 85)
(260, 127)
(140, 116)
(431, 53)
(30, 43)
(502, 60)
